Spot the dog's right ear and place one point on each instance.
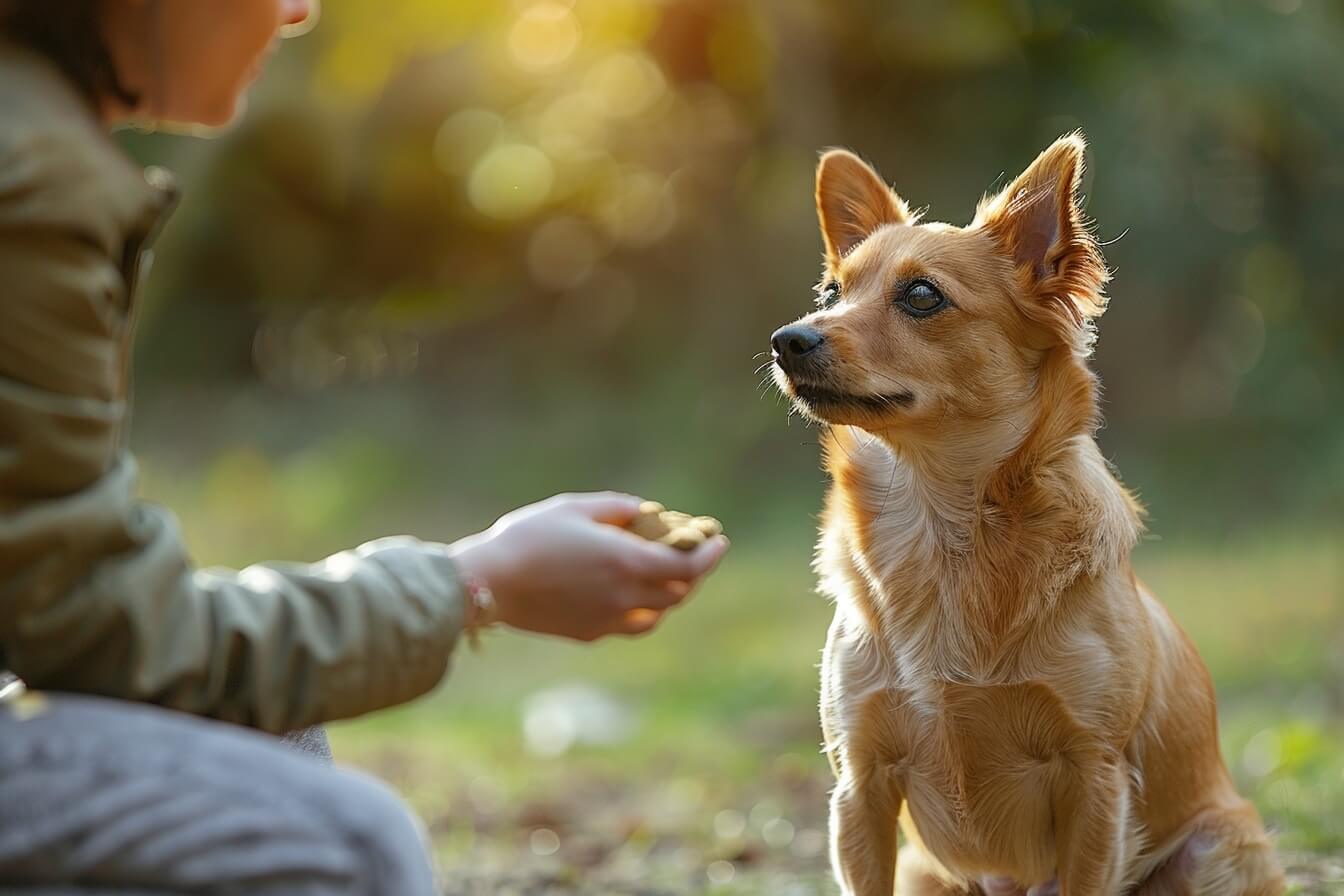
(1038, 222)
(852, 202)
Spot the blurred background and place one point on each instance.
(461, 255)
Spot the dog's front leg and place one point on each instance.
(865, 806)
(1091, 816)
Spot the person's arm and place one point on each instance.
(97, 593)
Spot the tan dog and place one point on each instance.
(996, 681)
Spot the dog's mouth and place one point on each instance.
(821, 399)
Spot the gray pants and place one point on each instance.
(105, 797)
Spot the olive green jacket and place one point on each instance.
(97, 593)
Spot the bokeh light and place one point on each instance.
(720, 872)
(511, 181)
(573, 127)
(465, 137)
(637, 207)
(626, 83)
(544, 842)
(545, 35)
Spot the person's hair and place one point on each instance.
(69, 32)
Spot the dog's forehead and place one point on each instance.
(959, 256)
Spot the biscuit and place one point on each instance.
(680, 530)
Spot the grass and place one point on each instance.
(709, 778)
(713, 781)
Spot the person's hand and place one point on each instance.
(565, 567)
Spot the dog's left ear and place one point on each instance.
(852, 202)
(1040, 225)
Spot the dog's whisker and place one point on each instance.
(839, 443)
(895, 465)
(1114, 240)
(764, 385)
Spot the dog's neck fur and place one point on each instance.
(985, 525)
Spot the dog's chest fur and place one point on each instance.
(976, 762)
(937, 678)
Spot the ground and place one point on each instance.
(704, 774)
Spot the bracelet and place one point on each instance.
(482, 611)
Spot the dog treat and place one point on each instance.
(680, 530)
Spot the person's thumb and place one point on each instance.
(612, 508)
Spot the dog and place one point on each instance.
(996, 682)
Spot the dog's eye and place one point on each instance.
(829, 295)
(921, 299)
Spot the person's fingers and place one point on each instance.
(612, 508)
(707, 556)
(638, 622)
(669, 564)
(657, 595)
(653, 561)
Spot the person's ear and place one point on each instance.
(298, 17)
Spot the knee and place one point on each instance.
(388, 841)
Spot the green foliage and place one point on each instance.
(591, 174)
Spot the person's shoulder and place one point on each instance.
(58, 168)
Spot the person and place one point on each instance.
(144, 754)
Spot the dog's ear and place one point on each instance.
(852, 202)
(1040, 225)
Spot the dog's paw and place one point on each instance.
(680, 530)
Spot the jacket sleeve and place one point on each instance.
(97, 593)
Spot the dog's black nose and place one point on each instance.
(794, 343)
